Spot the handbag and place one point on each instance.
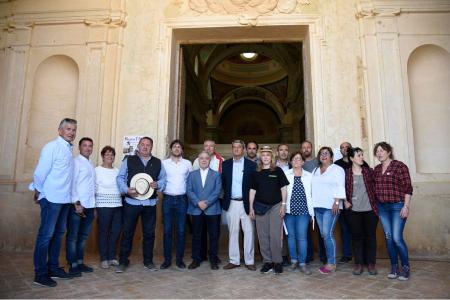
(260, 208)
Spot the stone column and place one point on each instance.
(14, 53)
(386, 109)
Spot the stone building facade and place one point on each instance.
(373, 70)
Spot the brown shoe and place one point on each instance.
(251, 267)
(230, 266)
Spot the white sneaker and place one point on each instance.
(104, 264)
(113, 262)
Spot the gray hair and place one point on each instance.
(66, 121)
(203, 151)
(238, 142)
(209, 141)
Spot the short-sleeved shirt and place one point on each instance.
(268, 184)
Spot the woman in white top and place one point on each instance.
(299, 212)
(328, 192)
(109, 208)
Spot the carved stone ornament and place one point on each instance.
(378, 12)
(247, 10)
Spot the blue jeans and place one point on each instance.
(109, 220)
(393, 226)
(297, 227)
(78, 230)
(346, 236)
(48, 240)
(327, 221)
(174, 211)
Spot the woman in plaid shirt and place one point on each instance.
(393, 190)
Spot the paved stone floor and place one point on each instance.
(428, 280)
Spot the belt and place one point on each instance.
(175, 196)
(236, 199)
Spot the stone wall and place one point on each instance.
(125, 55)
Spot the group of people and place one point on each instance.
(278, 197)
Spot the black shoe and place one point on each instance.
(194, 265)
(165, 265)
(278, 268)
(345, 259)
(59, 274)
(44, 280)
(286, 261)
(85, 269)
(151, 266)
(75, 271)
(215, 260)
(214, 266)
(267, 267)
(181, 265)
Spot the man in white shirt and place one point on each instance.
(81, 213)
(174, 205)
(51, 182)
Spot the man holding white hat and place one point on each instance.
(139, 178)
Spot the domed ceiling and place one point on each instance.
(222, 79)
(240, 71)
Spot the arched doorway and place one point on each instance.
(251, 91)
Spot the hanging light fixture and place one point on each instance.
(249, 56)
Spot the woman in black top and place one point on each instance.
(268, 192)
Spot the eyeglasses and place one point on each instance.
(297, 158)
(324, 154)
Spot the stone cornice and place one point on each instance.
(115, 18)
(373, 8)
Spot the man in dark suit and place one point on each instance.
(235, 181)
(203, 189)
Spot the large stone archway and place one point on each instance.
(307, 30)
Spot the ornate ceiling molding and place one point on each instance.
(248, 11)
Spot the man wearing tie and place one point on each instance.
(203, 190)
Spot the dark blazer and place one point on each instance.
(210, 192)
(227, 179)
